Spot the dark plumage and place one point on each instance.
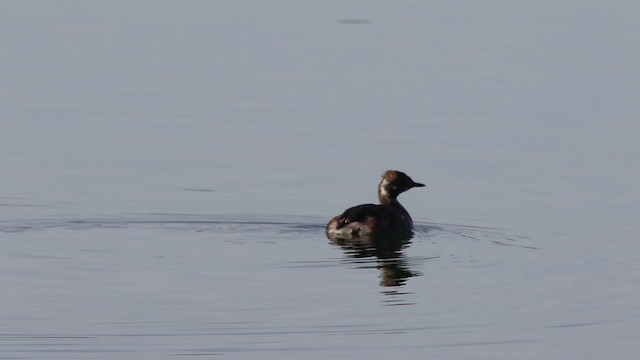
(371, 219)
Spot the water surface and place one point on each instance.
(167, 171)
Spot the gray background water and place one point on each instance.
(167, 169)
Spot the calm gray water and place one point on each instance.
(167, 169)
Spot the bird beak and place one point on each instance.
(415, 184)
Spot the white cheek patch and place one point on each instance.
(383, 187)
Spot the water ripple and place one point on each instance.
(258, 223)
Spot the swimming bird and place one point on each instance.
(388, 217)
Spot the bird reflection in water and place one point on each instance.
(383, 252)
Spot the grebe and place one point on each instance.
(389, 217)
